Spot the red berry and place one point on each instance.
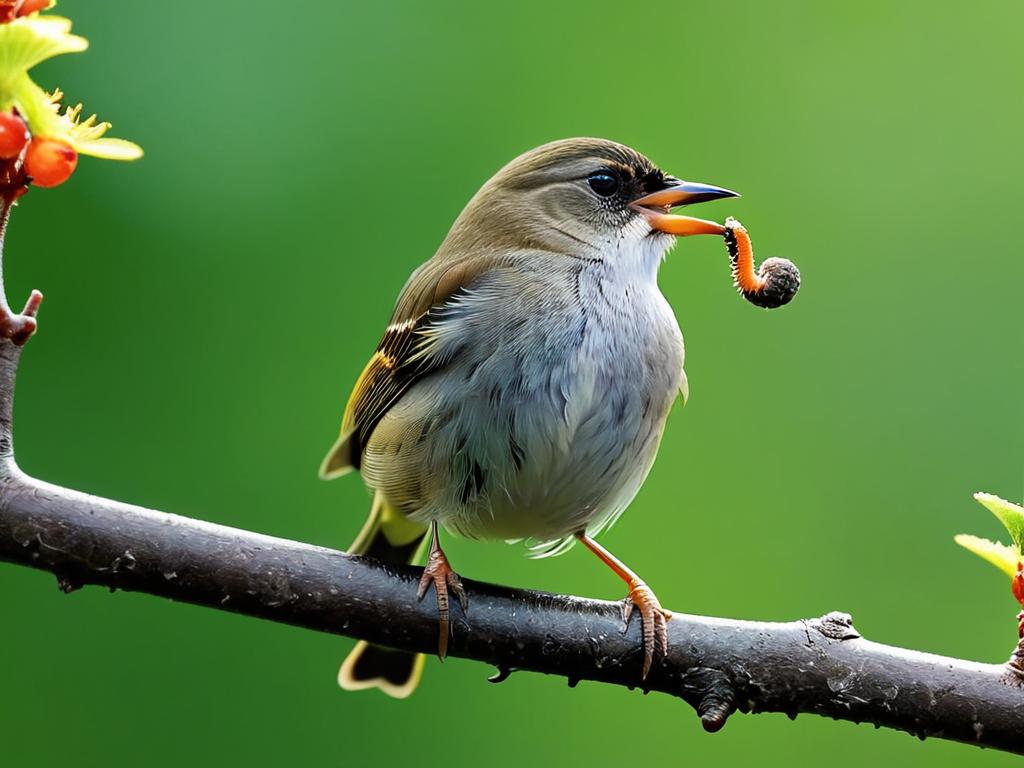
(31, 6)
(13, 135)
(49, 162)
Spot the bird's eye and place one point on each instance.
(603, 183)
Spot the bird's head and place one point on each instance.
(589, 194)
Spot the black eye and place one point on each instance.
(604, 183)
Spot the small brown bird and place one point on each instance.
(522, 386)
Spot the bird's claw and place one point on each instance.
(654, 623)
(439, 573)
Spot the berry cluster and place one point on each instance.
(27, 159)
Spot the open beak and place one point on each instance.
(656, 206)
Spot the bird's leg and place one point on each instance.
(439, 573)
(654, 618)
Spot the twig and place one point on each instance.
(820, 666)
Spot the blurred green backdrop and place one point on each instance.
(208, 308)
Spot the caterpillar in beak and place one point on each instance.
(773, 285)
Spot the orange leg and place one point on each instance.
(439, 573)
(654, 618)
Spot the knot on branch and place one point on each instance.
(711, 693)
(1015, 666)
(504, 673)
(835, 626)
(19, 327)
(67, 582)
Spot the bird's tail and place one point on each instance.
(390, 537)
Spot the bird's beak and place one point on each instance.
(655, 207)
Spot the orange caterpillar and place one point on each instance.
(769, 287)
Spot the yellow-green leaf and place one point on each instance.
(1001, 556)
(108, 149)
(1010, 515)
(31, 39)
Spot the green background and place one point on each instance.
(208, 308)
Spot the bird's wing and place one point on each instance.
(405, 354)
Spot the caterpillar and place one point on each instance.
(773, 285)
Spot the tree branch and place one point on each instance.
(820, 666)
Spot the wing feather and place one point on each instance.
(403, 356)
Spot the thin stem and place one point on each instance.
(6, 203)
(16, 327)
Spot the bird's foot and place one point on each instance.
(654, 623)
(439, 573)
(653, 618)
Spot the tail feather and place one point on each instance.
(388, 536)
(396, 673)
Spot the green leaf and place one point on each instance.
(1010, 515)
(31, 39)
(1001, 556)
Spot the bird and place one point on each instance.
(522, 386)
